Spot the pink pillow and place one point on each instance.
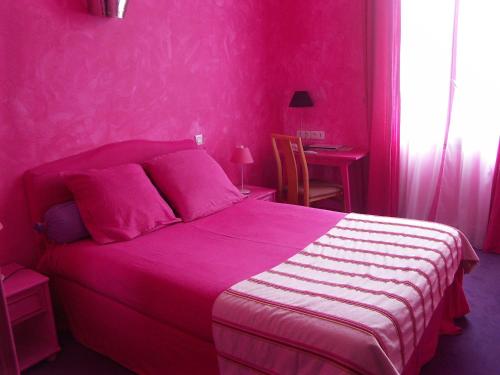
(193, 182)
(118, 203)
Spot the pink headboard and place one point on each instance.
(44, 185)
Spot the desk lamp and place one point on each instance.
(301, 99)
(242, 155)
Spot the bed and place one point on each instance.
(155, 304)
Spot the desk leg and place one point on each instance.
(344, 170)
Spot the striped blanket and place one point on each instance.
(355, 301)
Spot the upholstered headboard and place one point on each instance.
(44, 184)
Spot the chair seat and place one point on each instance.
(320, 190)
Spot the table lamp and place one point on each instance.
(242, 155)
(301, 99)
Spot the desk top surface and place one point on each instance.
(344, 153)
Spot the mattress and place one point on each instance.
(175, 274)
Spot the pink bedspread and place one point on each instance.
(175, 274)
(356, 300)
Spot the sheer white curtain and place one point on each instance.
(450, 117)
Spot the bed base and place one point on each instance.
(149, 347)
(138, 342)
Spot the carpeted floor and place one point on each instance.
(476, 351)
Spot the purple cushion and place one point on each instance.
(63, 223)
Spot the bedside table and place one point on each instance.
(261, 193)
(30, 315)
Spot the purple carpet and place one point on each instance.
(476, 351)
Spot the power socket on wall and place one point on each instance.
(311, 134)
(305, 134)
(198, 139)
(317, 134)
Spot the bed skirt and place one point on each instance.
(150, 347)
(453, 305)
(134, 340)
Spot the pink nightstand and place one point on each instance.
(261, 193)
(30, 314)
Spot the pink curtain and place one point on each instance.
(383, 67)
(492, 242)
(449, 117)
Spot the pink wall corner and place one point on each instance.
(326, 56)
(169, 70)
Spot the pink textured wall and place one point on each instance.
(226, 68)
(171, 69)
(326, 55)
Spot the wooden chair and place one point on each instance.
(298, 191)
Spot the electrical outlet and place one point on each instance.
(198, 139)
(304, 134)
(317, 134)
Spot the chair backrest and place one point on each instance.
(287, 149)
(8, 360)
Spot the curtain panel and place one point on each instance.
(492, 242)
(449, 117)
(383, 43)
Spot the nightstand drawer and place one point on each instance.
(262, 193)
(26, 304)
(268, 197)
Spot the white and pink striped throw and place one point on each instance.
(355, 301)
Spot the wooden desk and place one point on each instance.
(341, 158)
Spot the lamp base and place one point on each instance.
(244, 191)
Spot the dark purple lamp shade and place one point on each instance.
(301, 99)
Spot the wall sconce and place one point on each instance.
(108, 8)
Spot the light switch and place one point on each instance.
(199, 139)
